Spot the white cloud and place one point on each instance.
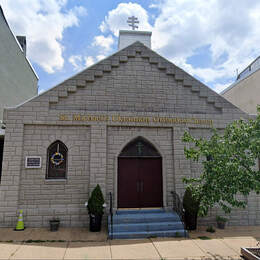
(41, 91)
(100, 57)
(230, 28)
(103, 42)
(80, 62)
(220, 87)
(43, 23)
(77, 62)
(117, 18)
(89, 61)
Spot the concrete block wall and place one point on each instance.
(134, 86)
(133, 82)
(41, 198)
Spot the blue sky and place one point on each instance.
(210, 39)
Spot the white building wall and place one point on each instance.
(126, 38)
(18, 81)
(245, 94)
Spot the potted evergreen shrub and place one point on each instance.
(95, 207)
(221, 222)
(191, 207)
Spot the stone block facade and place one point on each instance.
(133, 93)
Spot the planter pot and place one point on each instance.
(190, 221)
(221, 225)
(54, 225)
(95, 222)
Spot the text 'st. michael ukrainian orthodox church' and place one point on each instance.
(118, 124)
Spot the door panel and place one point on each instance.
(150, 175)
(128, 183)
(140, 182)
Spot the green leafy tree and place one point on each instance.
(228, 165)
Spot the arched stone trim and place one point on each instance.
(132, 151)
(164, 181)
(153, 143)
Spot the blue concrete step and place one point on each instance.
(145, 223)
(143, 234)
(145, 217)
(152, 226)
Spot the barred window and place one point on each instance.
(57, 161)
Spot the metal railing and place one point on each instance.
(178, 207)
(111, 213)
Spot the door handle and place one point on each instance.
(142, 186)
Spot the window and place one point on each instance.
(139, 147)
(56, 161)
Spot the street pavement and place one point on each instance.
(79, 243)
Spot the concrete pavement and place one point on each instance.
(78, 243)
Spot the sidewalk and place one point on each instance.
(78, 243)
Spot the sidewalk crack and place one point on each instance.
(12, 254)
(68, 242)
(156, 249)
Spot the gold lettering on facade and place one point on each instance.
(132, 119)
(64, 118)
(76, 118)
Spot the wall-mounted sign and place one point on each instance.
(135, 119)
(33, 162)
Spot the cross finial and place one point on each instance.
(132, 21)
(139, 146)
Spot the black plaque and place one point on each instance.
(33, 162)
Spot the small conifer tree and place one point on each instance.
(96, 202)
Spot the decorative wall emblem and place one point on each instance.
(57, 159)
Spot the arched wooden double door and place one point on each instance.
(139, 176)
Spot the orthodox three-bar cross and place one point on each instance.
(132, 21)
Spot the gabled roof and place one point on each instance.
(96, 77)
(97, 70)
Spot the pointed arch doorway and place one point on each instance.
(140, 176)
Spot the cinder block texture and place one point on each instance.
(95, 114)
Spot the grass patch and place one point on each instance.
(34, 241)
(204, 238)
(43, 241)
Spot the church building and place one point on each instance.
(119, 124)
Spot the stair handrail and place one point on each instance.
(178, 207)
(111, 213)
